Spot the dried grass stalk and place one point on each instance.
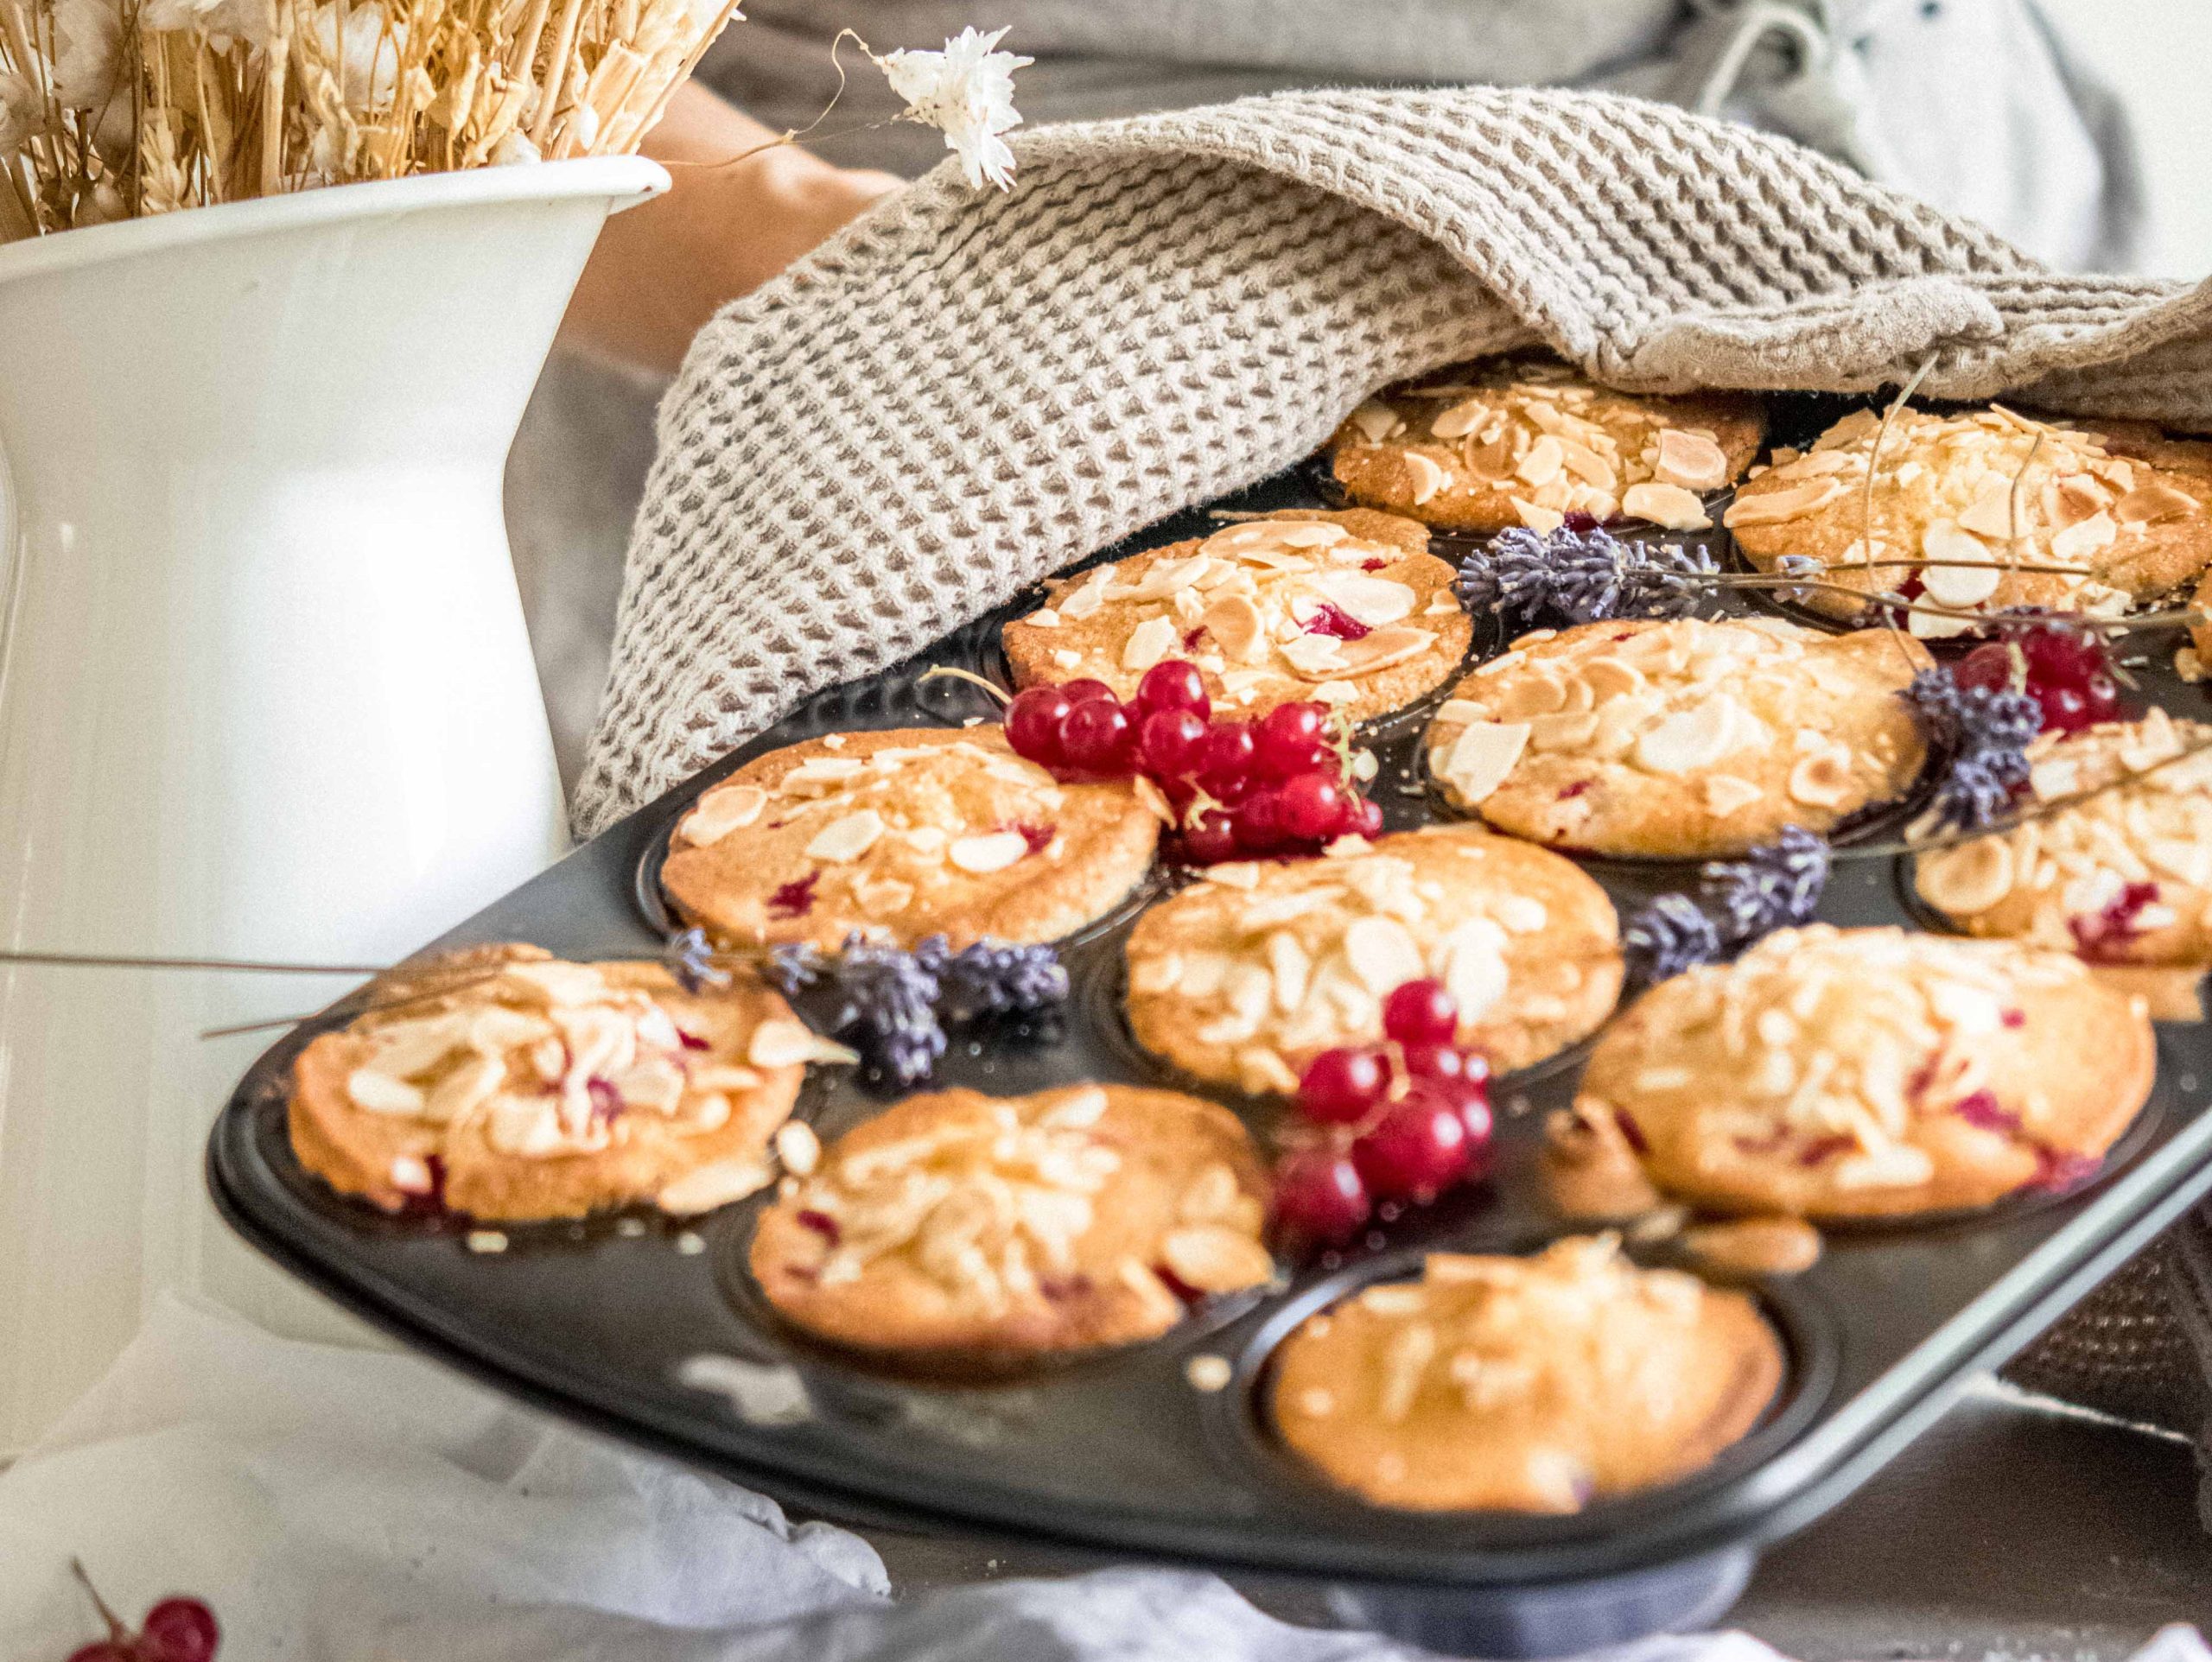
(110, 109)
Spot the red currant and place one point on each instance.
(1293, 738)
(1370, 822)
(1988, 665)
(1211, 841)
(1171, 742)
(1088, 691)
(1469, 1095)
(1258, 819)
(1320, 1197)
(1096, 738)
(1416, 1151)
(1420, 1011)
(1425, 1060)
(2060, 656)
(1174, 685)
(1034, 722)
(1340, 1087)
(1312, 806)
(1225, 767)
(179, 1630)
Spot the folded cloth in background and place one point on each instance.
(341, 1505)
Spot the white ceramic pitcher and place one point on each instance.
(265, 688)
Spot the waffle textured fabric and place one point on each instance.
(967, 390)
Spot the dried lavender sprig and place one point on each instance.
(795, 967)
(1777, 885)
(691, 958)
(1668, 935)
(1582, 576)
(1980, 735)
(887, 1004)
(993, 978)
(1773, 887)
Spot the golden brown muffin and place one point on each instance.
(1680, 737)
(1524, 1384)
(2124, 878)
(533, 1089)
(1242, 978)
(903, 834)
(1861, 1073)
(2129, 515)
(1526, 441)
(963, 1225)
(1347, 609)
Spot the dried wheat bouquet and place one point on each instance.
(115, 108)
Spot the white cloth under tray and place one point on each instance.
(343, 1506)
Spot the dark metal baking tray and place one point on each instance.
(1120, 1452)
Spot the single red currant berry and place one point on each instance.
(1211, 841)
(1415, 1151)
(2101, 696)
(2064, 708)
(1469, 1097)
(1320, 1197)
(1370, 823)
(1428, 1060)
(1988, 665)
(1293, 738)
(1340, 1087)
(1312, 806)
(1033, 720)
(1420, 1011)
(1174, 685)
(1258, 819)
(1096, 738)
(1225, 766)
(179, 1630)
(1171, 742)
(1088, 691)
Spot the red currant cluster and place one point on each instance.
(175, 1629)
(1397, 1122)
(1240, 789)
(2067, 672)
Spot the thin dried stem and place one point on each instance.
(1874, 462)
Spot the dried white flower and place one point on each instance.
(22, 114)
(369, 64)
(168, 15)
(966, 91)
(87, 34)
(515, 150)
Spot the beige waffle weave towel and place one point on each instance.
(965, 392)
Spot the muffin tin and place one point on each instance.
(650, 1327)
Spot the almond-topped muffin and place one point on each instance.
(512, 1087)
(1858, 1073)
(1528, 440)
(2126, 514)
(2122, 878)
(960, 1225)
(1680, 737)
(905, 833)
(1347, 609)
(1524, 1384)
(1245, 977)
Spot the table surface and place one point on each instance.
(2011, 1531)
